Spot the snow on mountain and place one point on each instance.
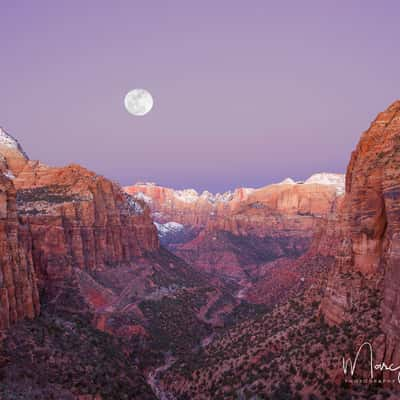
(134, 205)
(287, 181)
(191, 195)
(219, 197)
(187, 195)
(145, 183)
(168, 228)
(9, 174)
(325, 178)
(206, 195)
(9, 141)
(144, 197)
(224, 197)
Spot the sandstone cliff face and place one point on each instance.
(368, 252)
(79, 221)
(18, 289)
(186, 207)
(293, 209)
(315, 197)
(59, 225)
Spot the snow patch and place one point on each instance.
(145, 184)
(187, 195)
(9, 174)
(144, 197)
(191, 195)
(287, 181)
(325, 178)
(9, 141)
(134, 205)
(224, 197)
(248, 190)
(168, 228)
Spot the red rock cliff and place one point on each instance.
(78, 219)
(185, 206)
(18, 290)
(368, 253)
(244, 209)
(56, 222)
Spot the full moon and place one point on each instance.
(138, 102)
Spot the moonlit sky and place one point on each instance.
(246, 92)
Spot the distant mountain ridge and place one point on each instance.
(192, 195)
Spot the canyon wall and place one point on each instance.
(314, 197)
(186, 207)
(81, 220)
(80, 223)
(368, 252)
(57, 223)
(19, 296)
(18, 287)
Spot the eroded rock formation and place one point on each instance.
(58, 225)
(368, 252)
(18, 287)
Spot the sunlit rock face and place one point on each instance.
(79, 221)
(188, 207)
(368, 252)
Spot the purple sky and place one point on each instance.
(246, 92)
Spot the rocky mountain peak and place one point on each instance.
(287, 181)
(9, 141)
(13, 157)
